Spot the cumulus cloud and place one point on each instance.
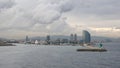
(44, 12)
(34, 15)
(59, 16)
(4, 4)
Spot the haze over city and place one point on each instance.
(19, 18)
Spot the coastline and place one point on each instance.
(6, 44)
(92, 49)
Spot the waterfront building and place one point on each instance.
(27, 39)
(71, 39)
(75, 39)
(86, 37)
(64, 41)
(58, 41)
(48, 39)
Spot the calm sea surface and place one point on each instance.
(34, 56)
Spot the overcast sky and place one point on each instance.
(19, 18)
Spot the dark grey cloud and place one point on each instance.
(4, 4)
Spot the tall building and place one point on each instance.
(48, 39)
(75, 37)
(71, 37)
(86, 37)
(27, 39)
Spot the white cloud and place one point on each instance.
(44, 12)
(30, 15)
(59, 16)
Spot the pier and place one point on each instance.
(92, 49)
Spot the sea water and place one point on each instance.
(42, 56)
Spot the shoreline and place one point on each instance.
(6, 44)
(92, 49)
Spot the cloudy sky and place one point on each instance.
(19, 18)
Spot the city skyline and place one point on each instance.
(19, 18)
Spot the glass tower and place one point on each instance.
(86, 37)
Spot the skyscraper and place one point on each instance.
(75, 37)
(86, 37)
(48, 39)
(71, 37)
(27, 39)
